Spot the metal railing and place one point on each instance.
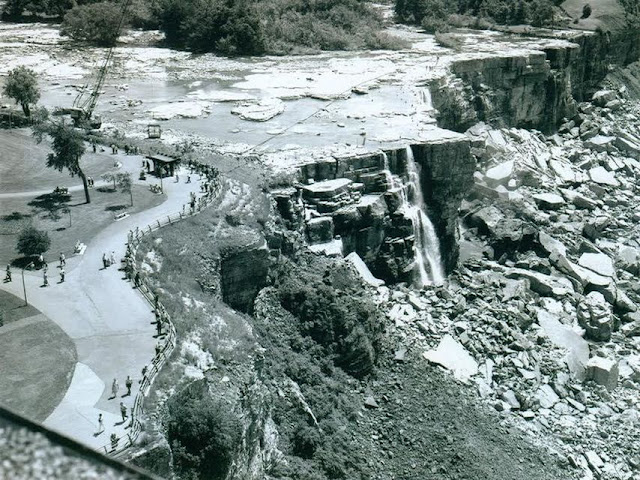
(118, 446)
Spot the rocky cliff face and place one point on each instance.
(447, 175)
(534, 90)
(352, 205)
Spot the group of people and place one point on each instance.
(115, 387)
(108, 260)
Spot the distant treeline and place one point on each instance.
(233, 27)
(436, 15)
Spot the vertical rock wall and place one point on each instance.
(447, 175)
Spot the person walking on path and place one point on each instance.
(114, 388)
(123, 411)
(128, 383)
(45, 278)
(112, 258)
(159, 327)
(40, 260)
(62, 275)
(136, 280)
(63, 260)
(105, 261)
(7, 277)
(100, 425)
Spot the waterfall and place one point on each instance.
(425, 99)
(427, 244)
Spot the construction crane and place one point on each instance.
(86, 101)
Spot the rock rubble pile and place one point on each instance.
(542, 314)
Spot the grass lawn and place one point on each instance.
(13, 308)
(51, 213)
(37, 360)
(23, 164)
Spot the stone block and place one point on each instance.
(603, 371)
(320, 230)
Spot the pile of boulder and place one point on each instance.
(542, 315)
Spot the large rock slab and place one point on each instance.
(363, 270)
(564, 337)
(548, 201)
(453, 356)
(600, 143)
(500, 174)
(545, 285)
(601, 176)
(598, 263)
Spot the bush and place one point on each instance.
(33, 242)
(98, 23)
(232, 28)
(203, 432)
(341, 319)
(431, 13)
(586, 11)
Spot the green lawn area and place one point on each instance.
(23, 164)
(51, 213)
(37, 360)
(13, 308)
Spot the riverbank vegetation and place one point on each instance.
(229, 27)
(439, 15)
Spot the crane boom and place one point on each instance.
(84, 105)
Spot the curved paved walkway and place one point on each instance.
(109, 322)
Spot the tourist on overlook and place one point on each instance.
(128, 383)
(62, 275)
(45, 278)
(114, 388)
(105, 260)
(123, 411)
(63, 260)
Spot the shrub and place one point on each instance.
(22, 86)
(342, 320)
(228, 27)
(97, 23)
(33, 242)
(586, 11)
(203, 433)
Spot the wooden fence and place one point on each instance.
(118, 447)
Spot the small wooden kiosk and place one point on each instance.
(163, 166)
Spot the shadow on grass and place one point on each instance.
(50, 203)
(116, 208)
(106, 190)
(16, 216)
(22, 262)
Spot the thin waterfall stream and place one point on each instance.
(427, 245)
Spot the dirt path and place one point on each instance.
(108, 321)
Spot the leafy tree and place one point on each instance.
(203, 432)
(33, 241)
(15, 8)
(97, 23)
(122, 180)
(226, 26)
(22, 86)
(68, 148)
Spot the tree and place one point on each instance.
(586, 11)
(97, 23)
(68, 147)
(204, 433)
(121, 179)
(33, 241)
(22, 86)
(231, 28)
